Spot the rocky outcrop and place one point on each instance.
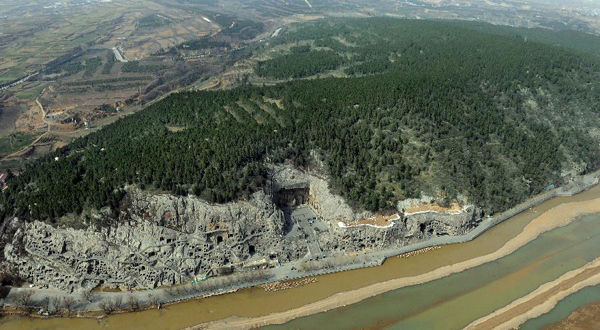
(408, 229)
(326, 204)
(159, 239)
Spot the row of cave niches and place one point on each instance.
(220, 237)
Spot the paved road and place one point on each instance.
(302, 217)
(118, 55)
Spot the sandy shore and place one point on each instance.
(559, 216)
(540, 301)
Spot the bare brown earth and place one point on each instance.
(556, 217)
(454, 208)
(586, 317)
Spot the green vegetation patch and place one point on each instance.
(67, 69)
(569, 39)
(299, 65)
(331, 44)
(105, 87)
(31, 93)
(374, 65)
(9, 76)
(91, 66)
(16, 141)
(110, 62)
(300, 49)
(460, 115)
(136, 67)
(153, 21)
(106, 81)
(106, 108)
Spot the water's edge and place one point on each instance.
(245, 297)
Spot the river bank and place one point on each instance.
(256, 302)
(457, 300)
(546, 222)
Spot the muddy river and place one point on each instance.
(455, 301)
(448, 303)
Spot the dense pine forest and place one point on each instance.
(451, 110)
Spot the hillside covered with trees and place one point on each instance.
(440, 108)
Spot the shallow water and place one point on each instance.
(564, 308)
(256, 302)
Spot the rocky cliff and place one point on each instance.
(159, 239)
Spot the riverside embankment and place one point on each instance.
(256, 302)
(552, 253)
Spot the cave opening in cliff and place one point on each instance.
(291, 197)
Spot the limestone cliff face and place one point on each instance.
(427, 224)
(326, 204)
(159, 239)
(408, 229)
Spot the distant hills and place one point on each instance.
(460, 111)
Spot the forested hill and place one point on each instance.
(429, 107)
(573, 40)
